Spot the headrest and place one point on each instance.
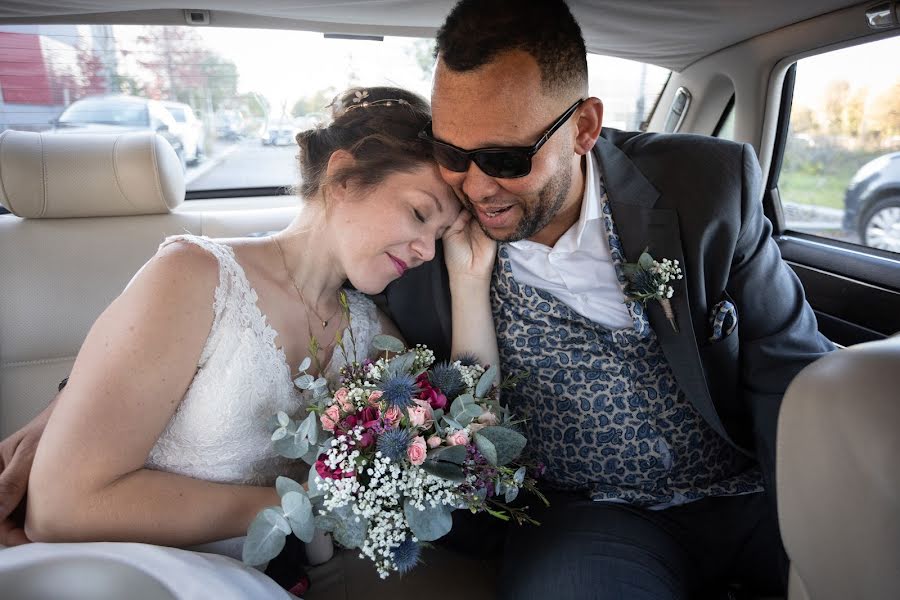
(837, 476)
(60, 175)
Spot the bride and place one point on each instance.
(161, 435)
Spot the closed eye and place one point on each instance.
(418, 215)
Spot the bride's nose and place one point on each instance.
(423, 247)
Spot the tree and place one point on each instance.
(884, 122)
(803, 120)
(836, 95)
(855, 112)
(422, 52)
(314, 103)
(184, 69)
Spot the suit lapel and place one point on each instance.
(632, 199)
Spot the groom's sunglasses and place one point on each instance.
(505, 162)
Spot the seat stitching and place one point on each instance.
(115, 158)
(43, 175)
(3, 187)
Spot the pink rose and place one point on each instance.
(488, 418)
(458, 438)
(343, 401)
(375, 397)
(330, 417)
(420, 415)
(392, 416)
(434, 441)
(417, 450)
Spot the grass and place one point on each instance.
(816, 190)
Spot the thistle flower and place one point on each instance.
(468, 359)
(399, 390)
(393, 444)
(447, 379)
(406, 555)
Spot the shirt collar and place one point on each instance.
(590, 211)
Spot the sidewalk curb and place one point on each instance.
(208, 165)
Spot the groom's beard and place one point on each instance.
(538, 214)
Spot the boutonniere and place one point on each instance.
(650, 279)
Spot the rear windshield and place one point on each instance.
(106, 112)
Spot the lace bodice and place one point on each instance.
(220, 431)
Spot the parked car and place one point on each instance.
(189, 129)
(229, 125)
(872, 203)
(279, 133)
(118, 113)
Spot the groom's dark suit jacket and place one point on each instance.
(698, 200)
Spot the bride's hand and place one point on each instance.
(468, 252)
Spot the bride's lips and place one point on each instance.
(398, 264)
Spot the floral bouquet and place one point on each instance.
(399, 446)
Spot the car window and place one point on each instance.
(841, 172)
(251, 90)
(178, 113)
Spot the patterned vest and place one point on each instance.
(603, 411)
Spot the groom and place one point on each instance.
(658, 437)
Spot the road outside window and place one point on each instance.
(841, 173)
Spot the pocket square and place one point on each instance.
(722, 320)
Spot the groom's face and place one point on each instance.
(502, 104)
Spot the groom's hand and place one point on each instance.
(16, 456)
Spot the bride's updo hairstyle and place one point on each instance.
(379, 126)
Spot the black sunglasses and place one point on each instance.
(504, 162)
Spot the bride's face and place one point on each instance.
(385, 230)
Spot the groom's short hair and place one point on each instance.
(476, 31)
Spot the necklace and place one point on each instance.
(309, 309)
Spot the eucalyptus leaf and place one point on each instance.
(453, 423)
(388, 343)
(309, 428)
(402, 364)
(312, 456)
(487, 448)
(507, 444)
(511, 493)
(279, 434)
(283, 485)
(326, 522)
(429, 524)
(519, 476)
(304, 365)
(645, 261)
(460, 404)
(265, 537)
(293, 446)
(298, 512)
(437, 414)
(304, 382)
(283, 419)
(486, 381)
(446, 462)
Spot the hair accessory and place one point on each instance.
(359, 101)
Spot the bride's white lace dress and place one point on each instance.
(220, 431)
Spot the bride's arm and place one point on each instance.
(470, 255)
(88, 481)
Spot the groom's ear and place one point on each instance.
(589, 121)
(339, 163)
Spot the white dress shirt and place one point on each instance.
(578, 270)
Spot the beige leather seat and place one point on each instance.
(87, 211)
(838, 475)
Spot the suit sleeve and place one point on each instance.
(778, 330)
